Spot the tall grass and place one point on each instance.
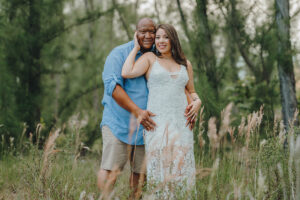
(242, 162)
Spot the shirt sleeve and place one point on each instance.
(112, 72)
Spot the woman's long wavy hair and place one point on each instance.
(176, 49)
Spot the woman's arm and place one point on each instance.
(195, 105)
(132, 69)
(189, 121)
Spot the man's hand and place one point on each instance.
(144, 118)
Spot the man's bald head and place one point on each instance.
(145, 20)
(145, 29)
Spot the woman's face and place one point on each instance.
(162, 41)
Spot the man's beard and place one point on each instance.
(146, 50)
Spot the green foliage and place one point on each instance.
(271, 153)
(249, 95)
(53, 52)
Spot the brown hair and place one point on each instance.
(176, 50)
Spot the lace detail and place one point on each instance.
(169, 149)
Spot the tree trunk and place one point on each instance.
(285, 63)
(207, 57)
(89, 6)
(32, 79)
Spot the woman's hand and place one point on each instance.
(136, 42)
(193, 109)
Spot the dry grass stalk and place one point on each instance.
(225, 123)
(293, 122)
(38, 130)
(275, 126)
(241, 128)
(237, 190)
(250, 124)
(260, 116)
(133, 125)
(253, 123)
(213, 173)
(30, 138)
(22, 136)
(282, 181)
(297, 164)
(77, 148)
(262, 187)
(48, 150)
(212, 133)
(282, 133)
(294, 160)
(203, 172)
(82, 195)
(11, 142)
(201, 129)
(231, 133)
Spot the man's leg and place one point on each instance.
(136, 184)
(114, 157)
(138, 168)
(106, 179)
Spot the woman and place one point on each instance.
(169, 149)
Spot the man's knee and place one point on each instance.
(106, 178)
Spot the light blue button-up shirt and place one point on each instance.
(114, 116)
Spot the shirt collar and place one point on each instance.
(139, 53)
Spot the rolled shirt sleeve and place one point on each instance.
(112, 72)
(111, 82)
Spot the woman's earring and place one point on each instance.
(173, 52)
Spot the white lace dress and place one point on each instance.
(169, 149)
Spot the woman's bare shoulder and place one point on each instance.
(149, 55)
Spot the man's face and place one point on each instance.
(146, 34)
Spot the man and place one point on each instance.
(124, 98)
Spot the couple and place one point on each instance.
(154, 84)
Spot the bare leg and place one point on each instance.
(106, 180)
(136, 184)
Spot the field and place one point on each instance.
(242, 162)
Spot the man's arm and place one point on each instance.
(143, 116)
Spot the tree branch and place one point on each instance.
(49, 34)
(157, 11)
(236, 36)
(75, 97)
(52, 71)
(243, 52)
(125, 26)
(183, 21)
(136, 6)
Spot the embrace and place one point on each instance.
(150, 106)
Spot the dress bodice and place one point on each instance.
(166, 90)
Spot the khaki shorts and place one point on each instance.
(116, 153)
